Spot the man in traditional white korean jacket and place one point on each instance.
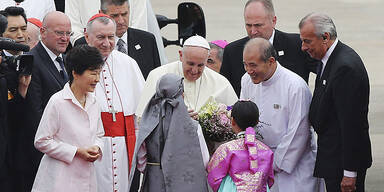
(283, 98)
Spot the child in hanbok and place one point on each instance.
(244, 164)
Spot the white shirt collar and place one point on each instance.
(240, 133)
(53, 57)
(275, 76)
(272, 37)
(50, 53)
(68, 94)
(328, 53)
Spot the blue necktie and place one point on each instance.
(63, 73)
(319, 70)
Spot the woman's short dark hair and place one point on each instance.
(246, 114)
(82, 58)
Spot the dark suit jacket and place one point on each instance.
(46, 80)
(4, 133)
(293, 58)
(339, 115)
(142, 48)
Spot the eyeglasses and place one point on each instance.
(62, 33)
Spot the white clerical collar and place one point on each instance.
(50, 53)
(124, 38)
(275, 75)
(272, 37)
(327, 54)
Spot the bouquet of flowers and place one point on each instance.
(215, 123)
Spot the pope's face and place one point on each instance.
(258, 22)
(311, 43)
(102, 36)
(119, 13)
(193, 60)
(256, 68)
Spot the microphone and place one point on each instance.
(3, 24)
(9, 44)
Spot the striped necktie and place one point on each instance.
(121, 46)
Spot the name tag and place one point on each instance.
(137, 47)
(276, 106)
(281, 53)
(324, 82)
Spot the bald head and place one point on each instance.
(33, 34)
(54, 17)
(259, 59)
(262, 46)
(56, 32)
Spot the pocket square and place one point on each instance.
(137, 46)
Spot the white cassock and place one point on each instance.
(283, 102)
(119, 71)
(196, 94)
(141, 16)
(33, 9)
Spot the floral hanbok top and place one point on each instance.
(248, 161)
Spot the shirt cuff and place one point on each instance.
(350, 173)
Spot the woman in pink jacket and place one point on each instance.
(70, 130)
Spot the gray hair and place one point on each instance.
(265, 48)
(268, 6)
(322, 23)
(104, 4)
(103, 20)
(220, 51)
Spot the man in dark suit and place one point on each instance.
(339, 108)
(138, 44)
(48, 77)
(260, 21)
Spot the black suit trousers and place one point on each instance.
(333, 184)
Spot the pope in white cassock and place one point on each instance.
(200, 82)
(283, 99)
(118, 93)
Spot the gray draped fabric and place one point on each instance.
(166, 126)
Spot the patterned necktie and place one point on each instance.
(63, 73)
(121, 46)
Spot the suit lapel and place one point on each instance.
(328, 67)
(130, 42)
(49, 64)
(278, 43)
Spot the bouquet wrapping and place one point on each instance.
(214, 119)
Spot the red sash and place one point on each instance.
(123, 126)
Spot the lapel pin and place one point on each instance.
(281, 53)
(324, 82)
(137, 47)
(276, 106)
